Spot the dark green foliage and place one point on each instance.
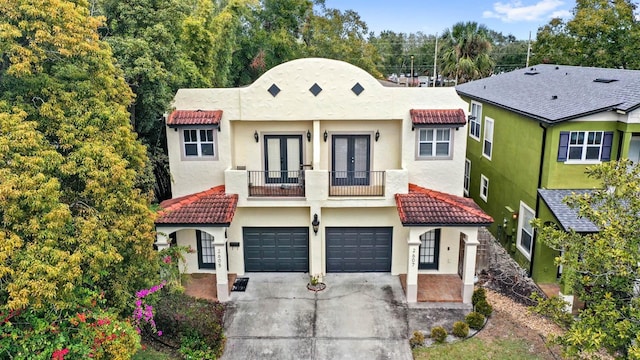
(475, 320)
(196, 323)
(417, 339)
(479, 294)
(460, 329)
(484, 308)
(438, 334)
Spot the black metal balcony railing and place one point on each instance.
(276, 183)
(356, 183)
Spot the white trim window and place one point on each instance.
(467, 176)
(475, 120)
(199, 143)
(484, 187)
(585, 145)
(525, 230)
(434, 143)
(487, 148)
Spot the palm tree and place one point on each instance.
(465, 52)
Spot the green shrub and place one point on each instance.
(417, 339)
(460, 329)
(196, 323)
(552, 308)
(479, 294)
(438, 334)
(475, 320)
(484, 308)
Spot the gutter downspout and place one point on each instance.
(533, 246)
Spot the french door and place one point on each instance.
(283, 157)
(351, 160)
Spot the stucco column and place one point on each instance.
(469, 266)
(162, 240)
(220, 248)
(412, 267)
(316, 144)
(316, 253)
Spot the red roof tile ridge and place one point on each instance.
(179, 202)
(448, 198)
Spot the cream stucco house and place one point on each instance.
(316, 167)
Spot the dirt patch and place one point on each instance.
(512, 320)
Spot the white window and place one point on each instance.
(488, 138)
(434, 143)
(525, 230)
(484, 187)
(199, 143)
(467, 176)
(585, 145)
(474, 120)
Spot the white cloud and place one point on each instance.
(516, 11)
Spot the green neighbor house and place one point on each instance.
(532, 134)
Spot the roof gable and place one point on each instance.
(429, 207)
(558, 92)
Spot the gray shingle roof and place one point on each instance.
(567, 217)
(576, 94)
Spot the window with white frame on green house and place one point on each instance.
(585, 146)
(475, 120)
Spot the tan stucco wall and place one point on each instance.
(336, 109)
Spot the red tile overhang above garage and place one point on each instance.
(194, 117)
(454, 117)
(425, 207)
(210, 207)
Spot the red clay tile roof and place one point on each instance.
(194, 117)
(429, 207)
(212, 206)
(438, 117)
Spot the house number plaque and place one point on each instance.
(218, 258)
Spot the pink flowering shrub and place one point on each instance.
(143, 312)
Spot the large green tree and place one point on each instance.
(339, 35)
(603, 268)
(465, 52)
(73, 224)
(602, 33)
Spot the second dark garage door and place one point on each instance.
(276, 249)
(359, 249)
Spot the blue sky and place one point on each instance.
(517, 17)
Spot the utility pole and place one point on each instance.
(528, 50)
(435, 63)
(411, 70)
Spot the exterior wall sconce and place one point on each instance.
(514, 216)
(315, 223)
(308, 136)
(377, 135)
(326, 135)
(256, 136)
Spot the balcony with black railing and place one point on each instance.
(276, 183)
(356, 183)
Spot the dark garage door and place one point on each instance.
(276, 249)
(359, 249)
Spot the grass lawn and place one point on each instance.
(477, 349)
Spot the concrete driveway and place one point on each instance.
(358, 316)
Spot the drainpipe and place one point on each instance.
(534, 240)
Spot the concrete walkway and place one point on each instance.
(358, 316)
